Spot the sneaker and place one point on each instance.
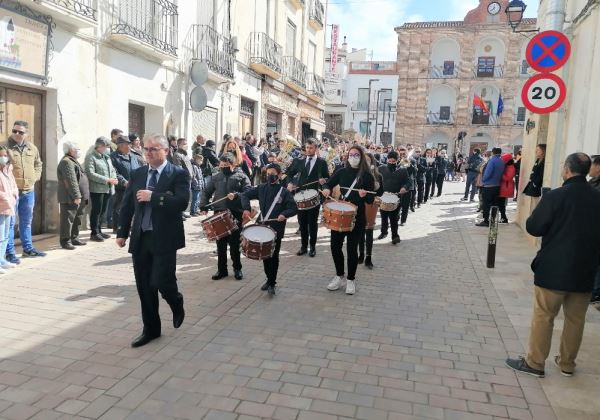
(350, 287)
(335, 284)
(562, 372)
(7, 265)
(520, 365)
(504, 221)
(483, 223)
(463, 199)
(104, 235)
(96, 238)
(12, 258)
(33, 253)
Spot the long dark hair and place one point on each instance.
(363, 166)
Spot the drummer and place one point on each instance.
(395, 181)
(275, 203)
(230, 182)
(367, 238)
(313, 171)
(355, 180)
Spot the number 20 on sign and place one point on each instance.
(544, 93)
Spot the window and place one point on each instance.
(312, 56)
(385, 98)
(485, 66)
(363, 128)
(521, 112)
(363, 99)
(448, 68)
(444, 113)
(290, 39)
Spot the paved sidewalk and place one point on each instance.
(425, 337)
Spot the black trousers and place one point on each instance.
(489, 197)
(337, 242)
(99, 205)
(439, 180)
(390, 218)
(155, 273)
(420, 191)
(233, 241)
(429, 187)
(502, 207)
(405, 201)
(70, 220)
(271, 265)
(413, 198)
(116, 207)
(309, 226)
(366, 240)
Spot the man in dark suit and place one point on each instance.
(311, 170)
(155, 197)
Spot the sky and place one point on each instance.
(370, 23)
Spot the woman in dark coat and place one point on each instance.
(534, 186)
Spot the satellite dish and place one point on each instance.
(198, 99)
(199, 73)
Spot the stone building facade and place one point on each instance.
(445, 68)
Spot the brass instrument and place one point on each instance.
(405, 163)
(283, 158)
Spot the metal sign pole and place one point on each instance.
(492, 238)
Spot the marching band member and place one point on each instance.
(367, 238)
(442, 163)
(405, 199)
(430, 175)
(312, 170)
(230, 182)
(421, 171)
(395, 181)
(356, 177)
(411, 167)
(275, 203)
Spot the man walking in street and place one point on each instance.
(27, 168)
(473, 164)
(564, 268)
(490, 181)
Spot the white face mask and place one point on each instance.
(354, 161)
(3, 160)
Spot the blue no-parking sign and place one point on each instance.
(548, 51)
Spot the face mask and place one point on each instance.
(226, 171)
(392, 166)
(272, 179)
(3, 160)
(354, 161)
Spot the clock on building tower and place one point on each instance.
(494, 8)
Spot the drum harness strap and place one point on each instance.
(349, 191)
(272, 206)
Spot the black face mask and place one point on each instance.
(272, 179)
(392, 166)
(226, 171)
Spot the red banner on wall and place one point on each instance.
(334, 47)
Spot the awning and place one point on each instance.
(317, 125)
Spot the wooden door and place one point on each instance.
(17, 104)
(137, 120)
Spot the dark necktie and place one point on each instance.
(308, 165)
(147, 217)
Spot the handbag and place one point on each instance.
(532, 190)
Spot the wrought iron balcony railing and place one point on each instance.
(440, 72)
(317, 12)
(153, 22)
(294, 71)
(316, 85)
(488, 71)
(264, 51)
(437, 118)
(85, 8)
(203, 43)
(483, 118)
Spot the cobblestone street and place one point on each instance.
(425, 337)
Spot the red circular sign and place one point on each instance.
(548, 51)
(544, 93)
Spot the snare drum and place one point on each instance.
(258, 242)
(339, 215)
(219, 225)
(307, 199)
(389, 201)
(371, 213)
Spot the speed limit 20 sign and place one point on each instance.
(544, 93)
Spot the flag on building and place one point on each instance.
(500, 106)
(480, 103)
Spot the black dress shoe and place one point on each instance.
(218, 275)
(483, 223)
(302, 251)
(143, 339)
(396, 240)
(361, 259)
(238, 274)
(368, 263)
(412, 208)
(265, 286)
(381, 236)
(312, 252)
(96, 238)
(67, 245)
(104, 235)
(78, 242)
(271, 290)
(178, 316)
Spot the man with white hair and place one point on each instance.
(73, 195)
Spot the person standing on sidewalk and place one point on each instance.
(27, 169)
(536, 178)
(473, 164)
(9, 193)
(507, 186)
(125, 162)
(73, 195)
(564, 268)
(156, 196)
(490, 182)
(595, 182)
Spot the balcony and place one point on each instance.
(203, 43)
(149, 25)
(316, 87)
(265, 55)
(294, 73)
(436, 118)
(298, 4)
(439, 72)
(484, 118)
(77, 13)
(316, 15)
(494, 72)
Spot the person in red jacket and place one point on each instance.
(507, 185)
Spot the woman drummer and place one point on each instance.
(355, 181)
(367, 238)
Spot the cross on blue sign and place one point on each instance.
(548, 51)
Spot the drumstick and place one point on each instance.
(220, 199)
(310, 183)
(354, 189)
(330, 197)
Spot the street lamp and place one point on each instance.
(369, 108)
(515, 12)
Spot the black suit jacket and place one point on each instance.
(169, 199)
(298, 167)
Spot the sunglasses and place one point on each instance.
(18, 132)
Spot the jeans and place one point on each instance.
(99, 206)
(4, 234)
(471, 184)
(195, 201)
(24, 210)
